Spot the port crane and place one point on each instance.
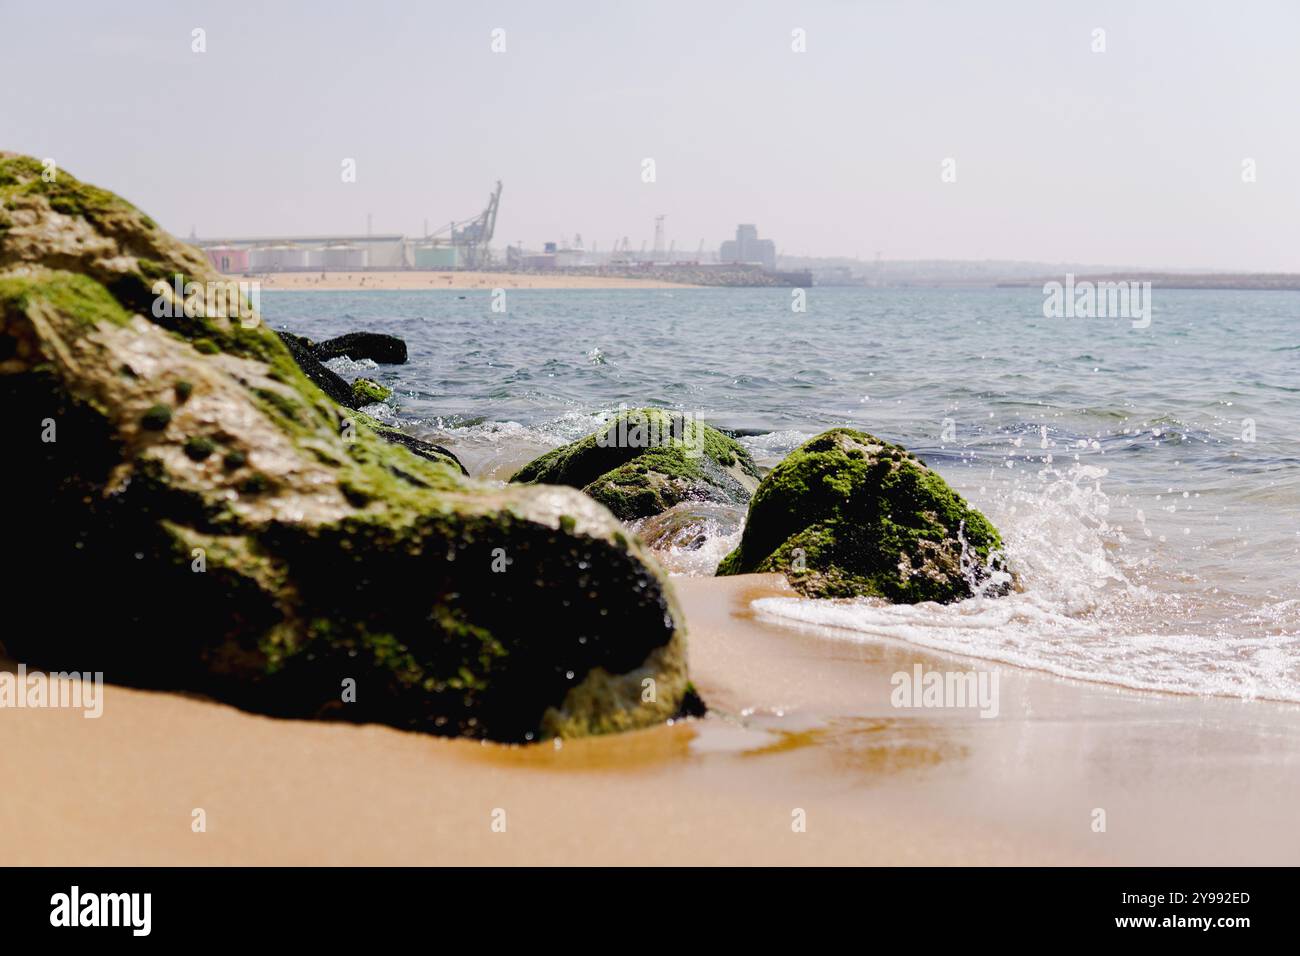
(473, 237)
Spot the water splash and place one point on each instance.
(693, 537)
(1087, 609)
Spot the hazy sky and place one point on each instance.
(1129, 156)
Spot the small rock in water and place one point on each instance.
(646, 460)
(366, 391)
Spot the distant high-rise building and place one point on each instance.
(748, 248)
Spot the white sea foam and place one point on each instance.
(773, 446)
(351, 368)
(553, 433)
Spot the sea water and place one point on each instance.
(1146, 480)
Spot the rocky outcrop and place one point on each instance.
(646, 460)
(327, 380)
(849, 515)
(355, 396)
(206, 518)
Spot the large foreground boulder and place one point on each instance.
(849, 515)
(646, 460)
(202, 517)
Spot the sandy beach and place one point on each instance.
(801, 721)
(411, 281)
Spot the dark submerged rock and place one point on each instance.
(376, 346)
(849, 515)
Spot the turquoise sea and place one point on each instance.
(1147, 480)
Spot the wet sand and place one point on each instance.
(369, 281)
(802, 722)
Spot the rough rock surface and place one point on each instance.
(849, 515)
(205, 518)
(646, 460)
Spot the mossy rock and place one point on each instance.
(267, 546)
(646, 460)
(849, 515)
(366, 391)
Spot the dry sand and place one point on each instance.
(364, 281)
(802, 721)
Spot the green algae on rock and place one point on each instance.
(849, 515)
(645, 460)
(366, 391)
(209, 520)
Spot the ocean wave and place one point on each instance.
(1028, 630)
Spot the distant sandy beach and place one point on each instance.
(802, 724)
(410, 281)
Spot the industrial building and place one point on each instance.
(747, 248)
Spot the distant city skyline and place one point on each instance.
(919, 131)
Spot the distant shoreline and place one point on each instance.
(360, 281)
(408, 280)
(1240, 281)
